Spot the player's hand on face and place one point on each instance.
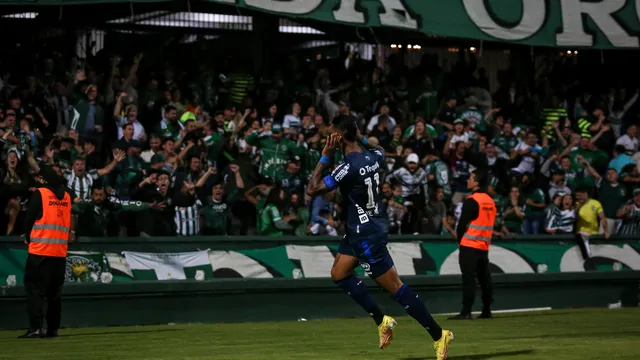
(332, 142)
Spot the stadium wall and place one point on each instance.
(529, 272)
(189, 301)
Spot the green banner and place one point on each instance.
(603, 24)
(300, 261)
(82, 266)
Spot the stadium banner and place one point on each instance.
(82, 266)
(301, 261)
(169, 266)
(603, 24)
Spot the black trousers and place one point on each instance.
(43, 279)
(474, 263)
(414, 215)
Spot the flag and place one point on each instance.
(168, 266)
(84, 266)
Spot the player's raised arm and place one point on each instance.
(319, 185)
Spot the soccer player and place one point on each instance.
(358, 179)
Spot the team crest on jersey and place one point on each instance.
(366, 267)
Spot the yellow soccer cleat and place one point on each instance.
(385, 331)
(442, 346)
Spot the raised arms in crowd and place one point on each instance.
(249, 194)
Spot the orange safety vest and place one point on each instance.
(50, 235)
(480, 231)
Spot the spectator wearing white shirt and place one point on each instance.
(155, 146)
(291, 123)
(459, 134)
(530, 151)
(629, 140)
(131, 117)
(384, 110)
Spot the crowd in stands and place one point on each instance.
(163, 150)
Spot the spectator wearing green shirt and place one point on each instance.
(96, 216)
(302, 215)
(129, 171)
(563, 165)
(506, 141)
(554, 207)
(169, 127)
(612, 195)
(472, 115)
(275, 151)
(290, 180)
(217, 208)
(256, 196)
(630, 176)
(513, 214)
(585, 151)
(310, 158)
(534, 210)
(271, 222)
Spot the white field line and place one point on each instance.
(505, 311)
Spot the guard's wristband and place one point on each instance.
(324, 160)
(364, 141)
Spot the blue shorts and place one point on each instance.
(371, 252)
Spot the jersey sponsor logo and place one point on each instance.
(369, 169)
(58, 203)
(340, 172)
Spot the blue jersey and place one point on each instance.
(359, 181)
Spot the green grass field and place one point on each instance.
(558, 335)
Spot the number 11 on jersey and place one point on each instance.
(371, 203)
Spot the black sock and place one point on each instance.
(416, 308)
(358, 292)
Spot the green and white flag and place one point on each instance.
(169, 266)
(84, 266)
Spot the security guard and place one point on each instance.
(48, 219)
(474, 231)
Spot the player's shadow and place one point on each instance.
(482, 356)
(119, 332)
